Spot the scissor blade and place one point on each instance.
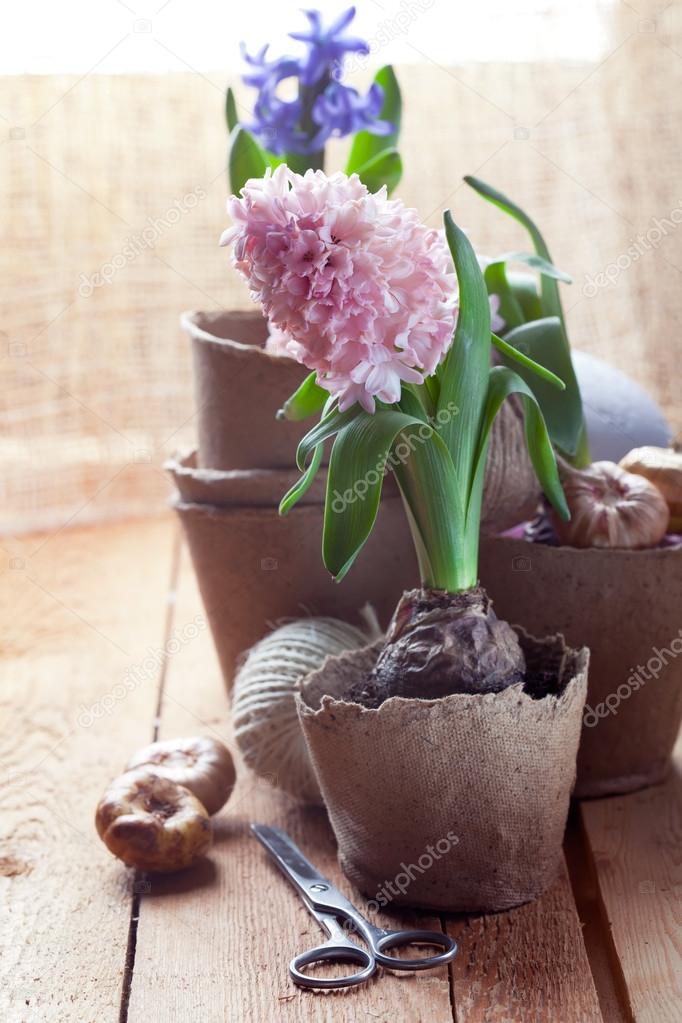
(288, 857)
(318, 892)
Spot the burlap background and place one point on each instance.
(95, 388)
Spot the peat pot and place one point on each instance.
(456, 804)
(256, 568)
(625, 606)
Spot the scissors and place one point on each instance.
(328, 905)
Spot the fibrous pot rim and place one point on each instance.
(394, 704)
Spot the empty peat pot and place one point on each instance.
(256, 569)
(238, 389)
(455, 804)
(625, 606)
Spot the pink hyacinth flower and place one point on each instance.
(354, 286)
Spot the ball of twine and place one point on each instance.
(511, 492)
(266, 726)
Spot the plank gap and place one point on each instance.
(601, 951)
(451, 970)
(131, 949)
(169, 617)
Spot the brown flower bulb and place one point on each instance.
(151, 823)
(202, 765)
(663, 468)
(611, 508)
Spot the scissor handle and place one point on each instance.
(339, 949)
(332, 952)
(398, 939)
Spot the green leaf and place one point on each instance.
(524, 289)
(330, 424)
(514, 354)
(503, 383)
(301, 162)
(534, 261)
(386, 168)
(307, 400)
(425, 472)
(510, 308)
(463, 374)
(301, 486)
(436, 513)
(544, 342)
(247, 159)
(551, 302)
(231, 115)
(366, 145)
(354, 482)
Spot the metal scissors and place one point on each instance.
(328, 905)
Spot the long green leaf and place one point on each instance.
(523, 360)
(497, 282)
(386, 168)
(231, 115)
(366, 145)
(524, 288)
(503, 383)
(354, 482)
(431, 491)
(328, 426)
(543, 341)
(306, 400)
(534, 261)
(427, 478)
(247, 159)
(299, 488)
(463, 375)
(551, 302)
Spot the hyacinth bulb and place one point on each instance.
(611, 508)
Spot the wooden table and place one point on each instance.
(86, 617)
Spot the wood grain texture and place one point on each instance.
(217, 946)
(77, 615)
(525, 966)
(636, 844)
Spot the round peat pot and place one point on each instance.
(256, 568)
(625, 606)
(238, 389)
(456, 804)
(238, 488)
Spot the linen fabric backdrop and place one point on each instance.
(123, 176)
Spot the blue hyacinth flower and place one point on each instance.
(321, 105)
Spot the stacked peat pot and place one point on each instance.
(255, 567)
(625, 606)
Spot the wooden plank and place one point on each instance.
(528, 965)
(636, 844)
(217, 945)
(79, 611)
